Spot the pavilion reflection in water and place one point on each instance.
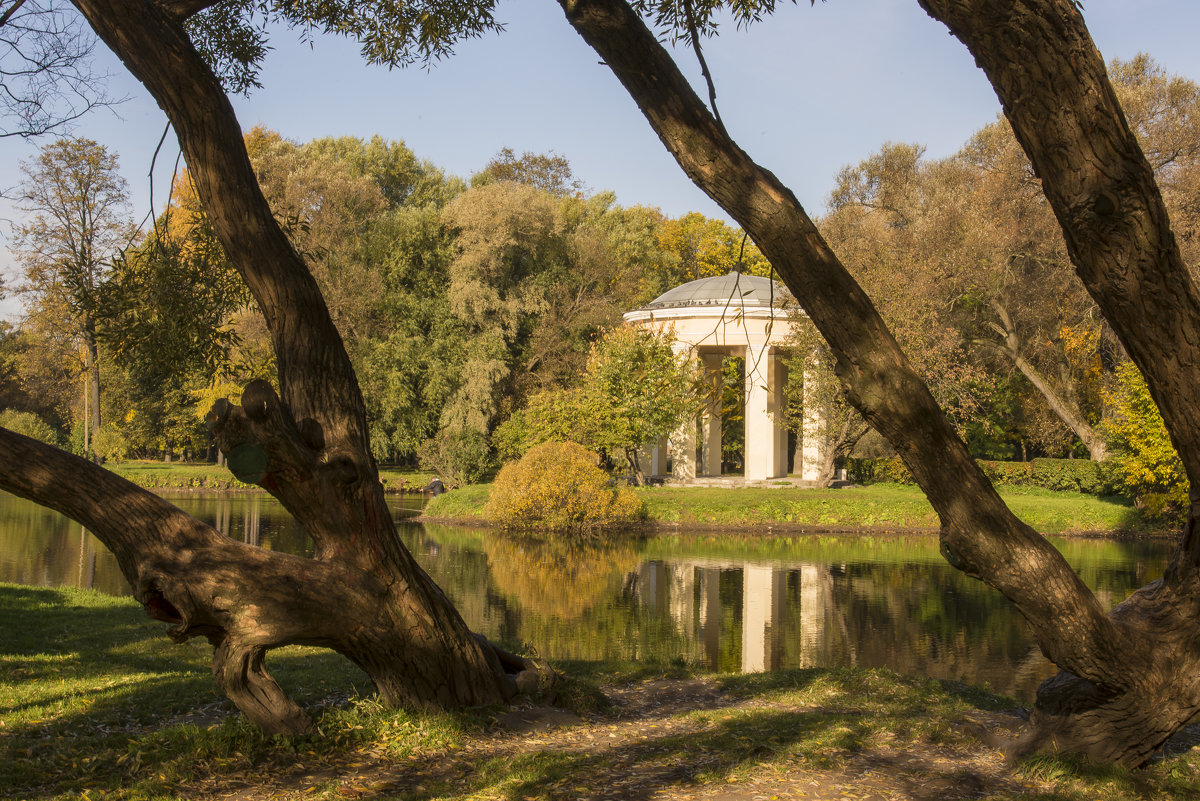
(776, 606)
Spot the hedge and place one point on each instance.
(1062, 475)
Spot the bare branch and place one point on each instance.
(46, 77)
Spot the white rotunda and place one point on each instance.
(733, 315)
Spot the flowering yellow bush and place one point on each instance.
(557, 486)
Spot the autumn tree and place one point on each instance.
(549, 172)
(1128, 677)
(980, 251)
(702, 247)
(77, 210)
(307, 442)
(636, 390)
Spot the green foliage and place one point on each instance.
(1077, 475)
(636, 389)
(546, 171)
(28, 424)
(109, 443)
(1148, 465)
(888, 469)
(557, 486)
(1058, 475)
(458, 457)
(700, 247)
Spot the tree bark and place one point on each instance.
(1137, 654)
(1054, 89)
(363, 595)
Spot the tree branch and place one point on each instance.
(183, 9)
(316, 379)
(979, 534)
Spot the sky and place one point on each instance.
(809, 91)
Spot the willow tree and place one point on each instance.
(1130, 677)
(362, 594)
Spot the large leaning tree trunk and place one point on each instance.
(1130, 678)
(362, 594)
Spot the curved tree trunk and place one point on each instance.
(1146, 654)
(363, 594)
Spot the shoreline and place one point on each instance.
(782, 529)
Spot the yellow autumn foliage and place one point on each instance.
(557, 486)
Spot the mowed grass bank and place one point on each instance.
(885, 507)
(95, 703)
(204, 476)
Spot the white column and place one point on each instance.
(656, 465)
(713, 363)
(683, 441)
(812, 444)
(766, 442)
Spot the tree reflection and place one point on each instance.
(558, 578)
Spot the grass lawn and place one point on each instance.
(204, 476)
(878, 506)
(96, 703)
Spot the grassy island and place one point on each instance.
(883, 507)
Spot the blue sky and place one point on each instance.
(807, 92)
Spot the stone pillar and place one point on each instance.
(656, 461)
(713, 363)
(811, 442)
(683, 451)
(683, 441)
(766, 442)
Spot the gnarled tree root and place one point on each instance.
(1075, 716)
(240, 671)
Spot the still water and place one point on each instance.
(734, 603)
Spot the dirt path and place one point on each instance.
(664, 739)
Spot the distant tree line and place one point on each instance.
(468, 305)
(458, 300)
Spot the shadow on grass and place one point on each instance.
(723, 748)
(87, 681)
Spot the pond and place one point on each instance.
(730, 602)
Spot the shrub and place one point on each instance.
(28, 424)
(557, 486)
(888, 468)
(1078, 475)
(457, 457)
(1012, 474)
(110, 443)
(1063, 475)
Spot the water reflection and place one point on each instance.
(730, 603)
(816, 602)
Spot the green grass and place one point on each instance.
(203, 476)
(465, 503)
(94, 698)
(878, 506)
(96, 703)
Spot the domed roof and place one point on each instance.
(732, 289)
